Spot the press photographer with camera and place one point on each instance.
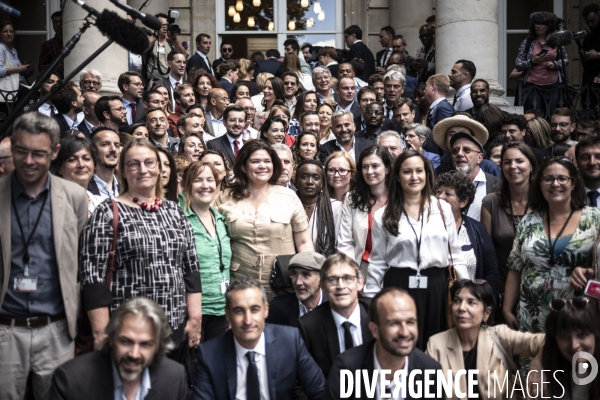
(162, 42)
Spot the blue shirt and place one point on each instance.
(47, 299)
(120, 387)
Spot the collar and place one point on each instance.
(435, 103)
(72, 123)
(480, 177)
(348, 107)
(357, 40)
(303, 309)
(353, 144)
(231, 139)
(89, 125)
(354, 317)
(226, 79)
(144, 385)
(154, 142)
(99, 181)
(173, 80)
(291, 102)
(260, 347)
(17, 189)
(189, 212)
(462, 89)
(201, 54)
(213, 119)
(332, 63)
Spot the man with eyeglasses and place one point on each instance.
(69, 104)
(157, 124)
(321, 79)
(343, 128)
(90, 121)
(131, 86)
(226, 53)
(229, 75)
(42, 216)
(290, 89)
(340, 323)
(110, 112)
(345, 96)
(108, 148)
(90, 80)
(424, 65)
(248, 106)
(562, 125)
(375, 119)
(365, 96)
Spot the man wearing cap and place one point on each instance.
(448, 127)
(305, 270)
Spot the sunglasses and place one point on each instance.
(578, 302)
(227, 50)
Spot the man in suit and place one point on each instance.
(393, 315)
(184, 97)
(132, 360)
(375, 120)
(327, 56)
(404, 112)
(386, 35)
(271, 64)
(157, 124)
(343, 128)
(108, 148)
(226, 53)
(131, 86)
(90, 121)
(305, 274)
(461, 75)
(110, 112)
(218, 100)
(229, 75)
(393, 86)
(587, 154)
(254, 357)
(69, 104)
(200, 58)
(287, 162)
(345, 96)
(424, 64)
(39, 232)
(321, 77)
(234, 119)
(357, 49)
(399, 46)
(436, 90)
(248, 106)
(342, 322)
(365, 96)
(177, 64)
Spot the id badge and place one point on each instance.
(224, 286)
(25, 284)
(160, 49)
(417, 282)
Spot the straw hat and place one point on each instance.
(440, 129)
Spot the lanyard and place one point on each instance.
(28, 241)
(221, 266)
(418, 241)
(552, 262)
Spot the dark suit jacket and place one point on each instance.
(334, 69)
(90, 377)
(269, 65)
(361, 357)
(442, 111)
(197, 61)
(330, 147)
(320, 334)
(62, 123)
(83, 128)
(285, 310)
(226, 85)
(492, 183)
(93, 187)
(287, 361)
(222, 143)
(378, 57)
(354, 109)
(360, 50)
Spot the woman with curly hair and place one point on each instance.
(477, 247)
(369, 195)
(202, 84)
(306, 147)
(322, 212)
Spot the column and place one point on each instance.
(406, 17)
(111, 63)
(468, 29)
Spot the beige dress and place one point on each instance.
(259, 235)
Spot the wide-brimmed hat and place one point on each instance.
(439, 130)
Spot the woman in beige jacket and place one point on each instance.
(472, 345)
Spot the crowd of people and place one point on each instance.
(249, 228)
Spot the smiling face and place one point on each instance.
(342, 296)
(309, 181)
(588, 164)
(516, 168)
(217, 162)
(247, 312)
(374, 171)
(242, 92)
(310, 102)
(576, 341)
(325, 114)
(310, 123)
(268, 93)
(108, 145)
(404, 115)
(397, 331)
(78, 168)
(412, 175)
(259, 167)
(339, 173)
(275, 133)
(468, 312)
(556, 192)
(290, 86)
(204, 188)
(308, 147)
(480, 94)
(193, 148)
(343, 128)
(204, 86)
(137, 174)
(321, 82)
(512, 133)
(374, 115)
(235, 123)
(133, 346)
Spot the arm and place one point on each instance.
(522, 62)
(308, 372)
(511, 297)
(99, 318)
(332, 390)
(486, 219)
(490, 262)
(377, 260)
(345, 239)
(517, 343)
(193, 327)
(303, 241)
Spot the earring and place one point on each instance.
(484, 325)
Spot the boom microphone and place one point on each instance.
(147, 19)
(559, 38)
(124, 33)
(580, 34)
(5, 8)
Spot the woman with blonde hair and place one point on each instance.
(539, 130)
(291, 62)
(257, 99)
(245, 75)
(340, 170)
(325, 112)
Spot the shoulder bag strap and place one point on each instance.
(595, 255)
(446, 228)
(113, 249)
(506, 360)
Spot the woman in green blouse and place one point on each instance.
(200, 188)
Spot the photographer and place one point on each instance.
(162, 42)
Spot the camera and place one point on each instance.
(174, 29)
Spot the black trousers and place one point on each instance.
(213, 326)
(431, 302)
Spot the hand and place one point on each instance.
(99, 340)
(592, 55)
(538, 59)
(193, 328)
(580, 277)
(550, 65)
(421, 63)
(511, 320)
(172, 37)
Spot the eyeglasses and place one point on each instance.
(578, 302)
(562, 125)
(373, 112)
(137, 84)
(466, 150)
(341, 172)
(35, 154)
(134, 165)
(120, 109)
(562, 179)
(333, 280)
(227, 50)
(88, 82)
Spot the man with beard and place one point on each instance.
(309, 122)
(48, 108)
(374, 122)
(108, 145)
(234, 118)
(562, 125)
(131, 363)
(131, 86)
(461, 75)
(189, 124)
(184, 97)
(342, 126)
(305, 269)
(287, 162)
(110, 112)
(90, 121)
(345, 96)
(587, 154)
(340, 323)
(480, 95)
(157, 125)
(393, 322)
(69, 103)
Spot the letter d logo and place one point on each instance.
(580, 369)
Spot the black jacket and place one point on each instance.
(285, 310)
(485, 253)
(222, 143)
(360, 50)
(330, 147)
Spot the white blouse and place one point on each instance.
(401, 251)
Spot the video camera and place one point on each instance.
(173, 28)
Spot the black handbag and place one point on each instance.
(280, 275)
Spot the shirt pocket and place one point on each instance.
(280, 225)
(231, 224)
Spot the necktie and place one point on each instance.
(236, 147)
(593, 195)
(53, 111)
(454, 101)
(252, 384)
(385, 58)
(176, 84)
(347, 335)
(133, 119)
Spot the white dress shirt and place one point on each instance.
(129, 110)
(401, 251)
(352, 151)
(47, 109)
(480, 192)
(174, 84)
(242, 367)
(385, 56)
(211, 70)
(463, 98)
(355, 330)
(378, 390)
(240, 143)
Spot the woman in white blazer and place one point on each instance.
(370, 194)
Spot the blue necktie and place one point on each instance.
(593, 195)
(252, 383)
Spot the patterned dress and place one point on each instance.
(540, 281)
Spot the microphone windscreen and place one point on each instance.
(560, 38)
(124, 33)
(152, 22)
